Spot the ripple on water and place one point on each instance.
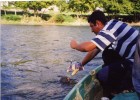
(33, 57)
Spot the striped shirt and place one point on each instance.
(122, 36)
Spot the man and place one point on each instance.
(117, 40)
(136, 68)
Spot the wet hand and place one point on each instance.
(75, 67)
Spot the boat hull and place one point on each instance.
(88, 88)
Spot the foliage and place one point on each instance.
(12, 17)
(23, 5)
(63, 6)
(79, 7)
(46, 16)
(110, 6)
(84, 6)
(126, 7)
(36, 5)
(136, 6)
(118, 6)
(68, 18)
(33, 5)
(59, 18)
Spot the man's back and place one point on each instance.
(122, 36)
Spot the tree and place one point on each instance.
(137, 6)
(125, 6)
(23, 5)
(136, 9)
(111, 6)
(80, 6)
(5, 6)
(62, 4)
(36, 6)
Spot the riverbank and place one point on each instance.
(134, 24)
(75, 23)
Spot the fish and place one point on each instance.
(67, 80)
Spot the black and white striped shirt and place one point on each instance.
(122, 36)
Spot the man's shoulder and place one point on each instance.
(115, 21)
(115, 24)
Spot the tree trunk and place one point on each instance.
(35, 13)
(5, 12)
(42, 13)
(15, 12)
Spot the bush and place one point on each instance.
(64, 18)
(59, 18)
(68, 18)
(12, 17)
(46, 16)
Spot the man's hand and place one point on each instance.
(73, 44)
(75, 67)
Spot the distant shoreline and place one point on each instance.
(134, 24)
(45, 23)
(63, 24)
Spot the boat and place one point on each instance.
(88, 88)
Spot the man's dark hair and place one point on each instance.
(97, 15)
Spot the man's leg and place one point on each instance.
(111, 77)
(136, 68)
(138, 95)
(102, 76)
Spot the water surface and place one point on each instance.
(32, 58)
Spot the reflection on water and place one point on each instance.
(32, 58)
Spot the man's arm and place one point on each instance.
(90, 55)
(83, 47)
(80, 66)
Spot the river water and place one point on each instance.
(32, 58)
